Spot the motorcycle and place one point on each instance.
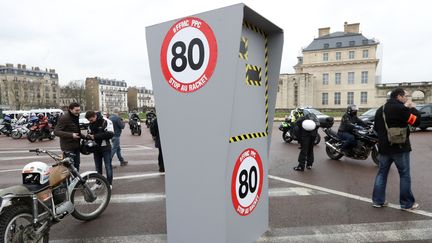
(18, 131)
(135, 127)
(36, 133)
(5, 131)
(366, 139)
(288, 129)
(29, 210)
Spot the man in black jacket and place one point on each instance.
(154, 130)
(307, 136)
(70, 133)
(101, 131)
(398, 112)
(348, 123)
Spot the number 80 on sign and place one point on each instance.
(246, 182)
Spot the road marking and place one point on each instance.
(134, 148)
(344, 194)
(147, 175)
(367, 232)
(12, 170)
(23, 157)
(293, 191)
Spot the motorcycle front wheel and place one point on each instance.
(32, 136)
(16, 134)
(333, 154)
(16, 225)
(286, 137)
(85, 208)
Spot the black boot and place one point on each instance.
(299, 168)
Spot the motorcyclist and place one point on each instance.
(348, 123)
(295, 114)
(133, 119)
(7, 122)
(43, 123)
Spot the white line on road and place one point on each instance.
(12, 170)
(148, 175)
(344, 194)
(23, 157)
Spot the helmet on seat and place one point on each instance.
(35, 173)
(352, 110)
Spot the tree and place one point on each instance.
(74, 90)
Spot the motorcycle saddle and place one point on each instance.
(35, 188)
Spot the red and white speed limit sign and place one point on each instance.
(188, 55)
(246, 182)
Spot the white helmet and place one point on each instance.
(308, 125)
(36, 173)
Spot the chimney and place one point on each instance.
(19, 66)
(23, 66)
(323, 31)
(352, 28)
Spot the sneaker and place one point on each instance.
(376, 205)
(299, 168)
(413, 207)
(123, 163)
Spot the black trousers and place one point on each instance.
(160, 159)
(306, 152)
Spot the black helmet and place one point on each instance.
(88, 146)
(352, 110)
(40, 115)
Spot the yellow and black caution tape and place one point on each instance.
(259, 134)
(253, 75)
(254, 28)
(248, 136)
(243, 53)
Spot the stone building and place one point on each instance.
(27, 88)
(335, 70)
(140, 98)
(106, 95)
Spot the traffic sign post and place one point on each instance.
(215, 78)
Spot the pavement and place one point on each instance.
(330, 203)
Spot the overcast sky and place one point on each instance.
(85, 38)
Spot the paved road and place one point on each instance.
(330, 203)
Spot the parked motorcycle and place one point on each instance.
(36, 132)
(135, 127)
(288, 129)
(366, 139)
(47, 195)
(19, 130)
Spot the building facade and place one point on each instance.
(106, 95)
(22, 88)
(336, 69)
(140, 98)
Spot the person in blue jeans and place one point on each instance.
(397, 112)
(118, 125)
(101, 131)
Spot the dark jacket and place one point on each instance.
(154, 130)
(301, 131)
(348, 123)
(397, 115)
(102, 130)
(118, 125)
(66, 125)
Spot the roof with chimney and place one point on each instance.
(350, 37)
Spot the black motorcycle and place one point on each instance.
(135, 127)
(289, 132)
(366, 139)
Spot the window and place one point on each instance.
(352, 43)
(337, 98)
(325, 98)
(326, 46)
(365, 53)
(364, 77)
(350, 77)
(351, 55)
(350, 98)
(325, 78)
(337, 78)
(365, 41)
(338, 55)
(325, 56)
(338, 44)
(363, 97)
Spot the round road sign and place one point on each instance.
(188, 55)
(246, 182)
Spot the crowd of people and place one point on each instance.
(392, 121)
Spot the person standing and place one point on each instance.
(154, 130)
(397, 112)
(308, 130)
(101, 131)
(70, 133)
(118, 125)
